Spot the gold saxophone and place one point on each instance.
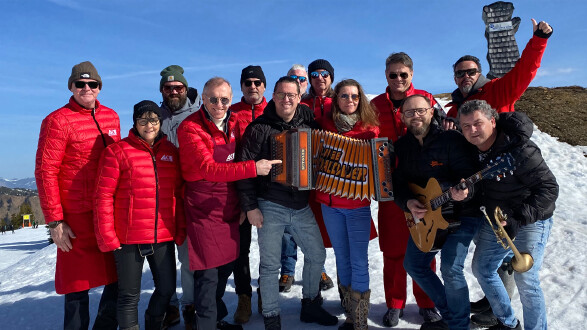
(521, 262)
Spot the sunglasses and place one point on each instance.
(223, 100)
(145, 121)
(281, 96)
(177, 88)
(403, 75)
(82, 84)
(469, 72)
(300, 78)
(249, 83)
(354, 97)
(412, 112)
(324, 74)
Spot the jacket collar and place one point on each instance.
(73, 105)
(457, 96)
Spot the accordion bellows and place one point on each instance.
(333, 163)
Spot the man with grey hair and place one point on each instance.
(527, 198)
(176, 106)
(299, 72)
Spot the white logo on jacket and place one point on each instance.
(112, 132)
(230, 157)
(167, 158)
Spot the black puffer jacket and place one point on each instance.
(530, 193)
(445, 156)
(256, 145)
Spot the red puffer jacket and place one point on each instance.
(197, 136)
(358, 132)
(320, 105)
(502, 93)
(139, 194)
(390, 118)
(246, 113)
(70, 143)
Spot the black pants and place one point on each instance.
(209, 287)
(129, 267)
(242, 269)
(77, 309)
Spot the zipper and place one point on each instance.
(98, 125)
(156, 193)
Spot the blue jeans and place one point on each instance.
(488, 256)
(289, 253)
(349, 231)
(452, 297)
(187, 277)
(306, 233)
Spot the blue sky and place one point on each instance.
(130, 41)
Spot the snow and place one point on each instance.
(27, 265)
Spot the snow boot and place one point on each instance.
(345, 302)
(312, 312)
(360, 309)
(243, 309)
(272, 322)
(391, 317)
(153, 322)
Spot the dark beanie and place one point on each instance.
(172, 73)
(321, 64)
(145, 106)
(84, 70)
(253, 71)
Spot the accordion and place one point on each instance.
(333, 163)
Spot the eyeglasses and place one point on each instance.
(177, 88)
(249, 83)
(281, 96)
(403, 75)
(354, 97)
(144, 121)
(410, 113)
(469, 72)
(223, 100)
(81, 84)
(300, 78)
(316, 74)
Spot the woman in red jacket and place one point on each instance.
(138, 213)
(347, 221)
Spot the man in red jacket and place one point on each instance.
(500, 93)
(250, 107)
(70, 143)
(393, 232)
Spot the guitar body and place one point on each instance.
(423, 231)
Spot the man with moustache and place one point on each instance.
(271, 207)
(393, 232)
(427, 151)
(175, 108)
(250, 107)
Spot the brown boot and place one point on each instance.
(189, 311)
(345, 301)
(360, 308)
(171, 317)
(243, 309)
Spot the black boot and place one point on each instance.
(484, 319)
(153, 322)
(480, 305)
(272, 322)
(501, 326)
(223, 325)
(312, 312)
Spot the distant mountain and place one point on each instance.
(12, 199)
(27, 183)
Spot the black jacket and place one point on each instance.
(256, 145)
(530, 193)
(445, 156)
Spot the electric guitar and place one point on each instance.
(424, 230)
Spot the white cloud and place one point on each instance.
(542, 72)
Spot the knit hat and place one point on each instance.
(253, 71)
(84, 70)
(321, 64)
(172, 73)
(145, 106)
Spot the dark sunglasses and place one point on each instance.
(249, 83)
(144, 121)
(223, 100)
(354, 97)
(177, 88)
(469, 72)
(403, 75)
(324, 74)
(82, 84)
(300, 78)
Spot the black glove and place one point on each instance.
(541, 34)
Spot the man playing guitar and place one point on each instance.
(425, 152)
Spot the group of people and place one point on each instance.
(5, 228)
(193, 174)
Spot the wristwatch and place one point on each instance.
(54, 224)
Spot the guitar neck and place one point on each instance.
(445, 197)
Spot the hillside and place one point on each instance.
(12, 199)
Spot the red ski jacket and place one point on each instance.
(139, 194)
(70, 143)
(502, 93)
(320, 105)
(246, 113)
